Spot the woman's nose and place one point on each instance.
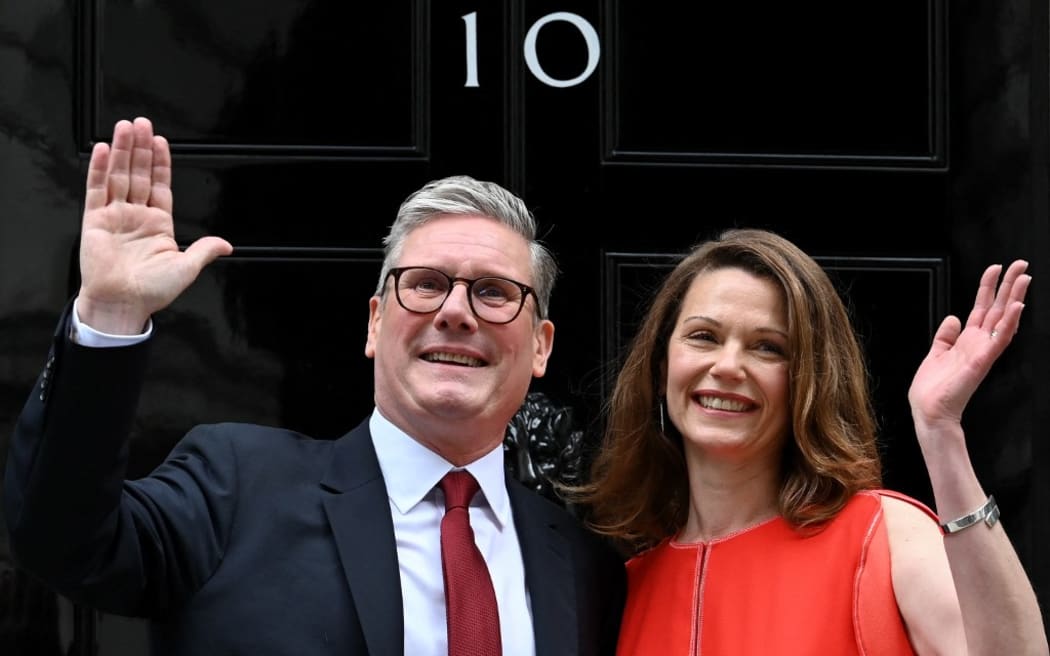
(728, 361)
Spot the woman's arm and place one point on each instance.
(1000, 613)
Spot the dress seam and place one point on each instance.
(868, 537)
(699, 580)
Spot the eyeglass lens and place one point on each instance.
(493, 299)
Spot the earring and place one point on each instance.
(662, 411)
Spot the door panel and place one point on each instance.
(825, 83)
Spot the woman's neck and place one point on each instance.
(728, 497)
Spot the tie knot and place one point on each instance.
(459, 488)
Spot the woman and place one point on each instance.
(740, 466)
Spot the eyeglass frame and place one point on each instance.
(452, 280)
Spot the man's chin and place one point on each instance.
(453, 402)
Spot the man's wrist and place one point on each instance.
(83, 334)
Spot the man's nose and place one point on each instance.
(456, 308)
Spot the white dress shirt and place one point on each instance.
(85, 335)
(412, 472)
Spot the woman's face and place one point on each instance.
(727, 366)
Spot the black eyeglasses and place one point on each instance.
(493, 299)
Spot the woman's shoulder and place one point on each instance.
(869, 509)
(900, 504)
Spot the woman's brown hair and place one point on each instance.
(638, 491)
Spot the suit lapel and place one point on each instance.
(358, 509)
(548, 571)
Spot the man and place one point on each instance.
(253, 540)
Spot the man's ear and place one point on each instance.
(543, 342)
(375, 316)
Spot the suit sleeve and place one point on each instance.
(127, 547)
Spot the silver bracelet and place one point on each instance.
(989, 512)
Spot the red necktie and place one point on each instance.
(470, 601)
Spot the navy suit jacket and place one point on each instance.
(250, 539)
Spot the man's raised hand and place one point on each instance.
(130, 264)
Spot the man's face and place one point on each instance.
(447, 378)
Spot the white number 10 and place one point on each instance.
(590, 37)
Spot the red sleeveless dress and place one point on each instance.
(770, 591)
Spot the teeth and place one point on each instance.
(454, 358)
(716, 403)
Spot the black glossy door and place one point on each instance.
(900, 142)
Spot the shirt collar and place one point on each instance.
(411, 470)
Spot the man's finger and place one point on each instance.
(160, 195)
(141, 177)
(203, 251)
(119, 172)
(96, 194)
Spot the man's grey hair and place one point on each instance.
(461, 194)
